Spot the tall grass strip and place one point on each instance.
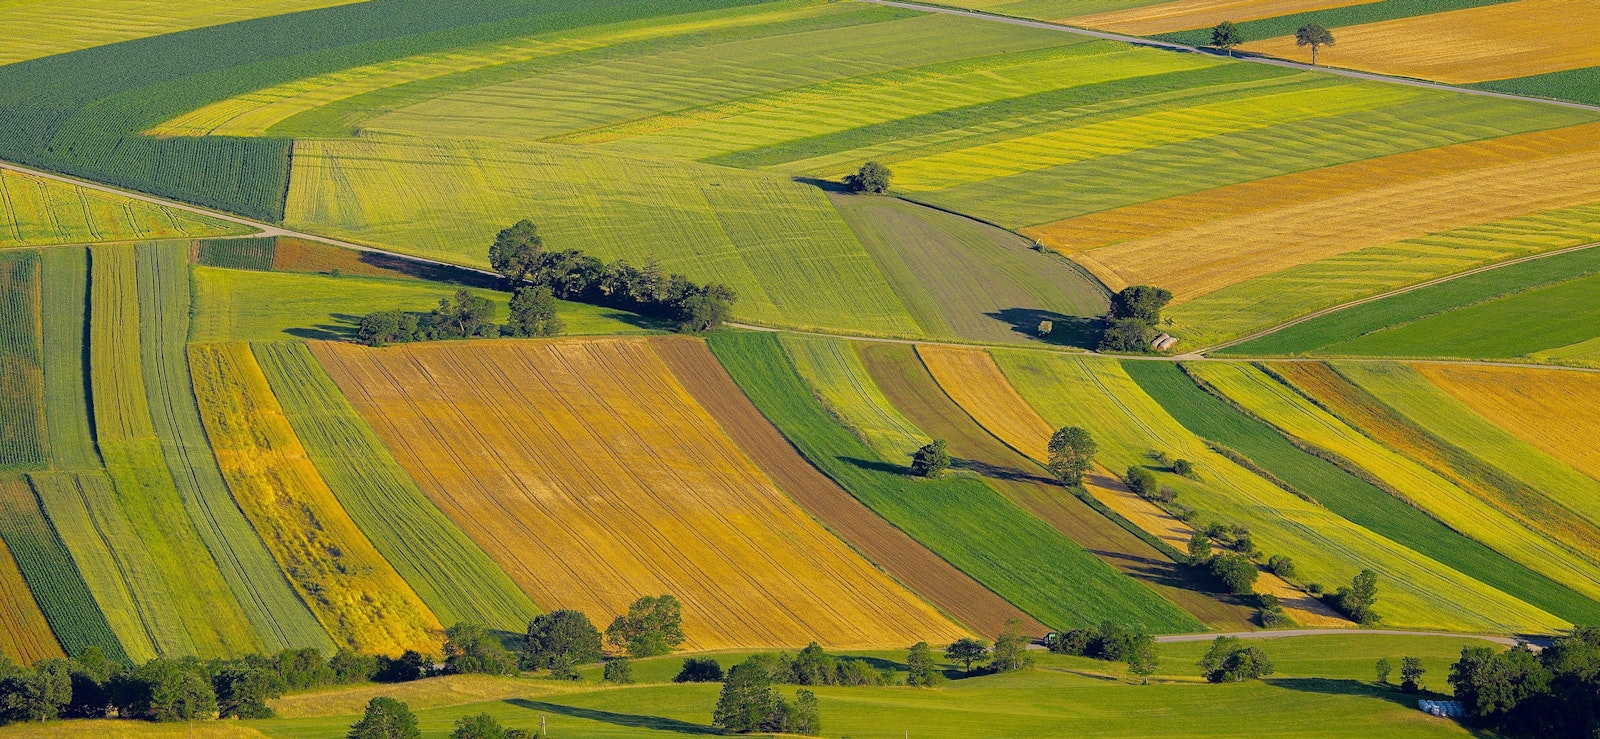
(960, 518)
(456, 580)
(356, 594)
(255, 253)
(1131, 427)
(113, 562)
(66, 358)
(276, 613)
(838, 379)
(74, 616)
(1546, 408)
(22, 407)
(24, 633)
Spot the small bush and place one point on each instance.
(1141, 481)
(699, 670)
(619, 671)
(1183, 467)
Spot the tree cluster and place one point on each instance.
(750, 701)
(1131, 323)
(653, 626)
(1230, 661)
(1555, 693)
(465, 316)
(872, 177)
(519, 255)
(1356, 600)
(1111, 642)
(1009, 653)
(470, 648)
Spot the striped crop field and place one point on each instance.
(1531, 561)
(1545, 408)
(47, 567)
(1180, 15)
(451, 575)
(658, 500)
(1327, 13)
(114, 563)
(25, 635)
(834, 373)
(239, 305)
(1129, 425)
(253, 252)
(950, 590)
(972, 379)
(65, 311)
(962, 519)
(277, 615)
(1495, 41)
(1577, 85)
(121, 411)
(22, 407)
(905, 379)
(353, 591)
(36, 211)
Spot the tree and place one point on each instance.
(1282, 566)
(379, 328)
(350, 667)
(1411, 674)
(921, 669)
(1229, 660)
(469, 648)
(1314, 36)
(812, 666)
(1141, 303)
(386, 718)
(243, 691)
(748, 700)
(303, 668)
(484, 726)
(37, 694)
(1199, 548)
(517, 251)
(653, 626)
(805, 717)
(1142, 660)
(619, 671)
(1010, 651)
(1225, 36)
(1072, 452)
(91, 675)
(1221, 647)
(165, 690)
(1141, 481)
(410, 665)
(699, 670)
(967, 651)
(465, 317)
(1126, 335)
(1236, 571)
(560, 640)
(533, 313)
(1183, 467)
(705, 308)
(872, 177)
(1383, 668)
(931, 460)
(1356, 601)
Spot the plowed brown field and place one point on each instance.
(588, 472)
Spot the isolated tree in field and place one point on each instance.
(931, 460)
(1356, 601)
(968, 651)
(652, 626)
(1142, 660)
(1382, 669)
(1141, 303)
(1411, 674)
(1010, 651)
(517, 251)
(533, 313)
(560, 640)
(1141, 481)
(1314, 36)
(921, 668)
(872, 177)
(1236, 571)
(386, 718)
(748, 699)
(1229, 660)
(1225, 36)
(470, 648)
(1072, 452)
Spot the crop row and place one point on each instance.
(25, 635)
(255, 253)
(22, 423)
(66, 358)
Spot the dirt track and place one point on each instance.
(951, 590)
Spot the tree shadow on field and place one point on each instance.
(1077, 331)
(876, 466)
(632, 721)
(1331, 686)
(998, 472)
(431, 272)
(343, 330)
(824, 185)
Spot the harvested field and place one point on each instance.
(51, 575)
(22, 408)
(1129, 425)
(658, 500)
(1328, 16)
(24, 634)
(897, 369)
(972, 379)
(1492, 42)
(837, 378)
(36, 211)
(451, 575)
(65, 312)
(1149, 20)
(949, 589)
(960, 518)
(1546, 408)
(351, 589)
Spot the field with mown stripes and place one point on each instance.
(1547, 409)
(37, 211)
(835, 375)
(64, 316)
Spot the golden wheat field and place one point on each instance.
(1550, 409)
(352, 590)
(972, 379)
(24, 634)
(1181, 15)
(1492, 42)
(588, 472)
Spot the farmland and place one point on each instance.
(681, 511)
(835, 375)
(350, 587)
(24, 634)
(36, 211)
(64, 315)
(1536, 406)
(22, 422)
(960, 518)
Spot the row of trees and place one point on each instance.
(387, 718)
(1226, 36)
(1555, 693)
(518, 254)
(465, 316)
(560, 641)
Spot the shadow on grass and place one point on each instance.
(431, 272)
(1077, 331)
(824, 185)
(1330, 686)
(630, 720)
(876, 466)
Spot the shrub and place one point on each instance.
(1183, 467)
(403, 669)
(931, 460)
(872, 177)
(1281, 566)
(619, 671)
(469, 648)
(1411, 672)
(699, 670)
(1229, 660)
(1071, 641)
(1141, 481)
(1010, 651)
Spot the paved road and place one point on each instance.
(1285, 63)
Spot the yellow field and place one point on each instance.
(972, 379)
(1183, 15)
(1491, 42)
(353, 591)
(36, 211)
(24, 634)
(1292, 414)
(592, 477)
(1550, 409)
(834, 372)
(1194, 245)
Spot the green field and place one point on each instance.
(959, 518)
(451, 575)
(22, 408)
(66, 358)
(836, 376)
(1355, 498)
(1577, 85)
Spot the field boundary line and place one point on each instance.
(1509, 641)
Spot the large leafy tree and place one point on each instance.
(517, 251)
(1314, 36)
(559, 641)
(386, 718)
(1072, 452)
(1225, 36)
(652, 626)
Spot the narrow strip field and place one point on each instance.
(593, 478)
(451, 575)
(22, 407)
(1548, 409)
(35, 211)
(949, 589)
(277, 615)
(66, 358)
(1098, 394)
(24, 634)
(353, 591)
(834, 373)
(1180, 15)
(960, 518)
